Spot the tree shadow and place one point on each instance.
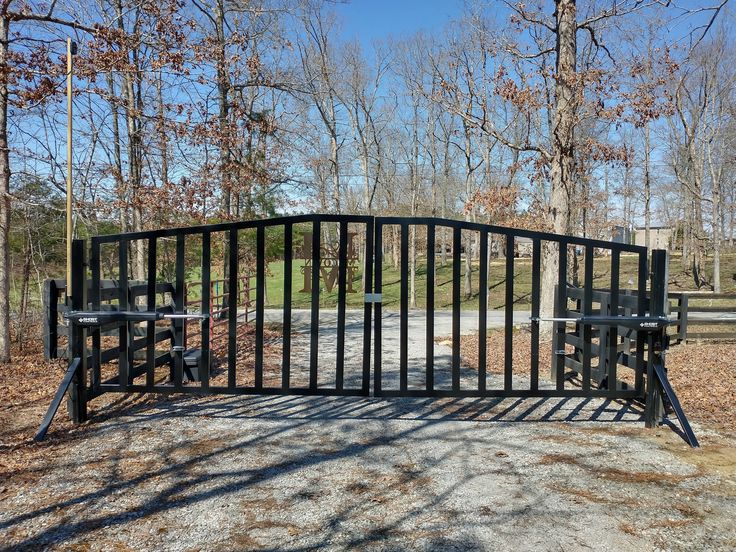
(188, 479)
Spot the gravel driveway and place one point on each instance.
(312, 473)
(390, 330)
(335, 473)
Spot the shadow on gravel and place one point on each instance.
(405, 408)
(183, 476)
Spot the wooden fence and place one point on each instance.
(704, 316)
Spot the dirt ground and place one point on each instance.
(304, 473)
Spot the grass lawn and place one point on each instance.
(391, 289)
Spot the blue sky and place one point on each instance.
(368, 20)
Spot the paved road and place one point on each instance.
(300, 319)
(390, 334)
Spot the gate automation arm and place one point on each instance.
(54, 406)
(99, 318)
(661, 374)
(650, 325)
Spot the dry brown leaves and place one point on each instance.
(703, 375)
(521, 352)
(704, 378)
(28, 384)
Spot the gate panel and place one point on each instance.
(220, 369)
(574, 345)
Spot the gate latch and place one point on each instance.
(374, 298)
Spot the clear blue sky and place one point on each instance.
(368, 20)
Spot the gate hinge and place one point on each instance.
(374, 298)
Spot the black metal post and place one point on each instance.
(654, 413)
(682, 318)
(77, 402)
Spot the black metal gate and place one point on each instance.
(625, 356)
(580, 341)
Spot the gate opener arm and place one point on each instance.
(91, 319)
(54, 406)
(661, 375)
(100, 318)
(641, 323)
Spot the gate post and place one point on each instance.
(77, 401)
(656, 344)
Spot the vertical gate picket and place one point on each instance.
(151, 305)
(561, 308)
(342, 268)
(77, 288)
(641, 311)
(260, 297)
(96, 305)
(509, 316)
(456, 241)
(179, 344)
(232, 307)
(613, 330)
(404, 309)
(314, 323)
(286, 326)
(367, 306)
(204, 376)
(536, 274)
(482, 310)
(429, 335)
(124, 328)
(377, 289)
(587, 309)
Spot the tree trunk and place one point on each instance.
(24, 290)
(335, 150)
(717, 224)
(163, 139)
(135, 152)
(647, 192)
(562, 169)
(124, 201)
(4, 198)
(412, 266)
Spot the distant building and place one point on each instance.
(621, 234)
(524, 247)
(660, 237)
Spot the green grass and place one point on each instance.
(391, 288)
(680, 280)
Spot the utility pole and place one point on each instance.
(71, 49)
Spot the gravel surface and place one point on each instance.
(303, 473)
(336, 473)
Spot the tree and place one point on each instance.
(8, 78)
(318, 62)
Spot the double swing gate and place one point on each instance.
(421, 278)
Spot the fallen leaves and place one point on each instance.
(702, 374)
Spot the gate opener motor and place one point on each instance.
(100, 318)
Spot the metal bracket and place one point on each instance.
(374, 298)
